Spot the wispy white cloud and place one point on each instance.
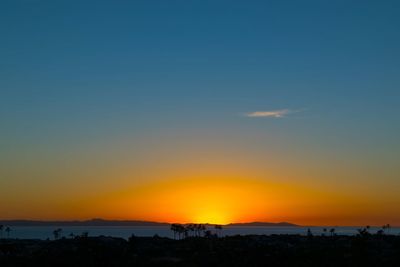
(269, 113)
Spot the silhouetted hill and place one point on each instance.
(92, 222)
(102, 222)
(264, 224)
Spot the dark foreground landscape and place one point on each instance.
(257, 250)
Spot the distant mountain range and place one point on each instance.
(92, 222)
(286, 224)
(102, 222)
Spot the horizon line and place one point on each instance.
(169, 223)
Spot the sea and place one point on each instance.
(46, 232)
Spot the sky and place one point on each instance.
(200, 111)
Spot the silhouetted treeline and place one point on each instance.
(364, 249)
(191, 229)
(5, 231)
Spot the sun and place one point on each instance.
(205, 200)
(209, 205)
(212, 217)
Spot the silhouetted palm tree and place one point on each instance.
(202, 228)
(196, 229)
(199, 228)
(174, 229)
(8, 230)
(385, 228)
(364, 232)
(218, 228)
(190, 228)
(178, 229)
(324, 231)
(57, 233)
(1, 230)
(388, 228)
(208, 234)
(309, 233)
(332, 231)
(181, 230)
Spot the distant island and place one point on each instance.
(264, 224)
(103, 222)
(92, 222)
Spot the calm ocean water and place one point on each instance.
(44, 232)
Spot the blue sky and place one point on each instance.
(80, 72)
(202, 63)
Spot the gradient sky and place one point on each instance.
(206, 111)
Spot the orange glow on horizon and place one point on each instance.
(221, 201)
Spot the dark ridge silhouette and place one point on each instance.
(92, 222)
(264, 224)
(102, 222)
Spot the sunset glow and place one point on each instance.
(223, 201)
(203, 112)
